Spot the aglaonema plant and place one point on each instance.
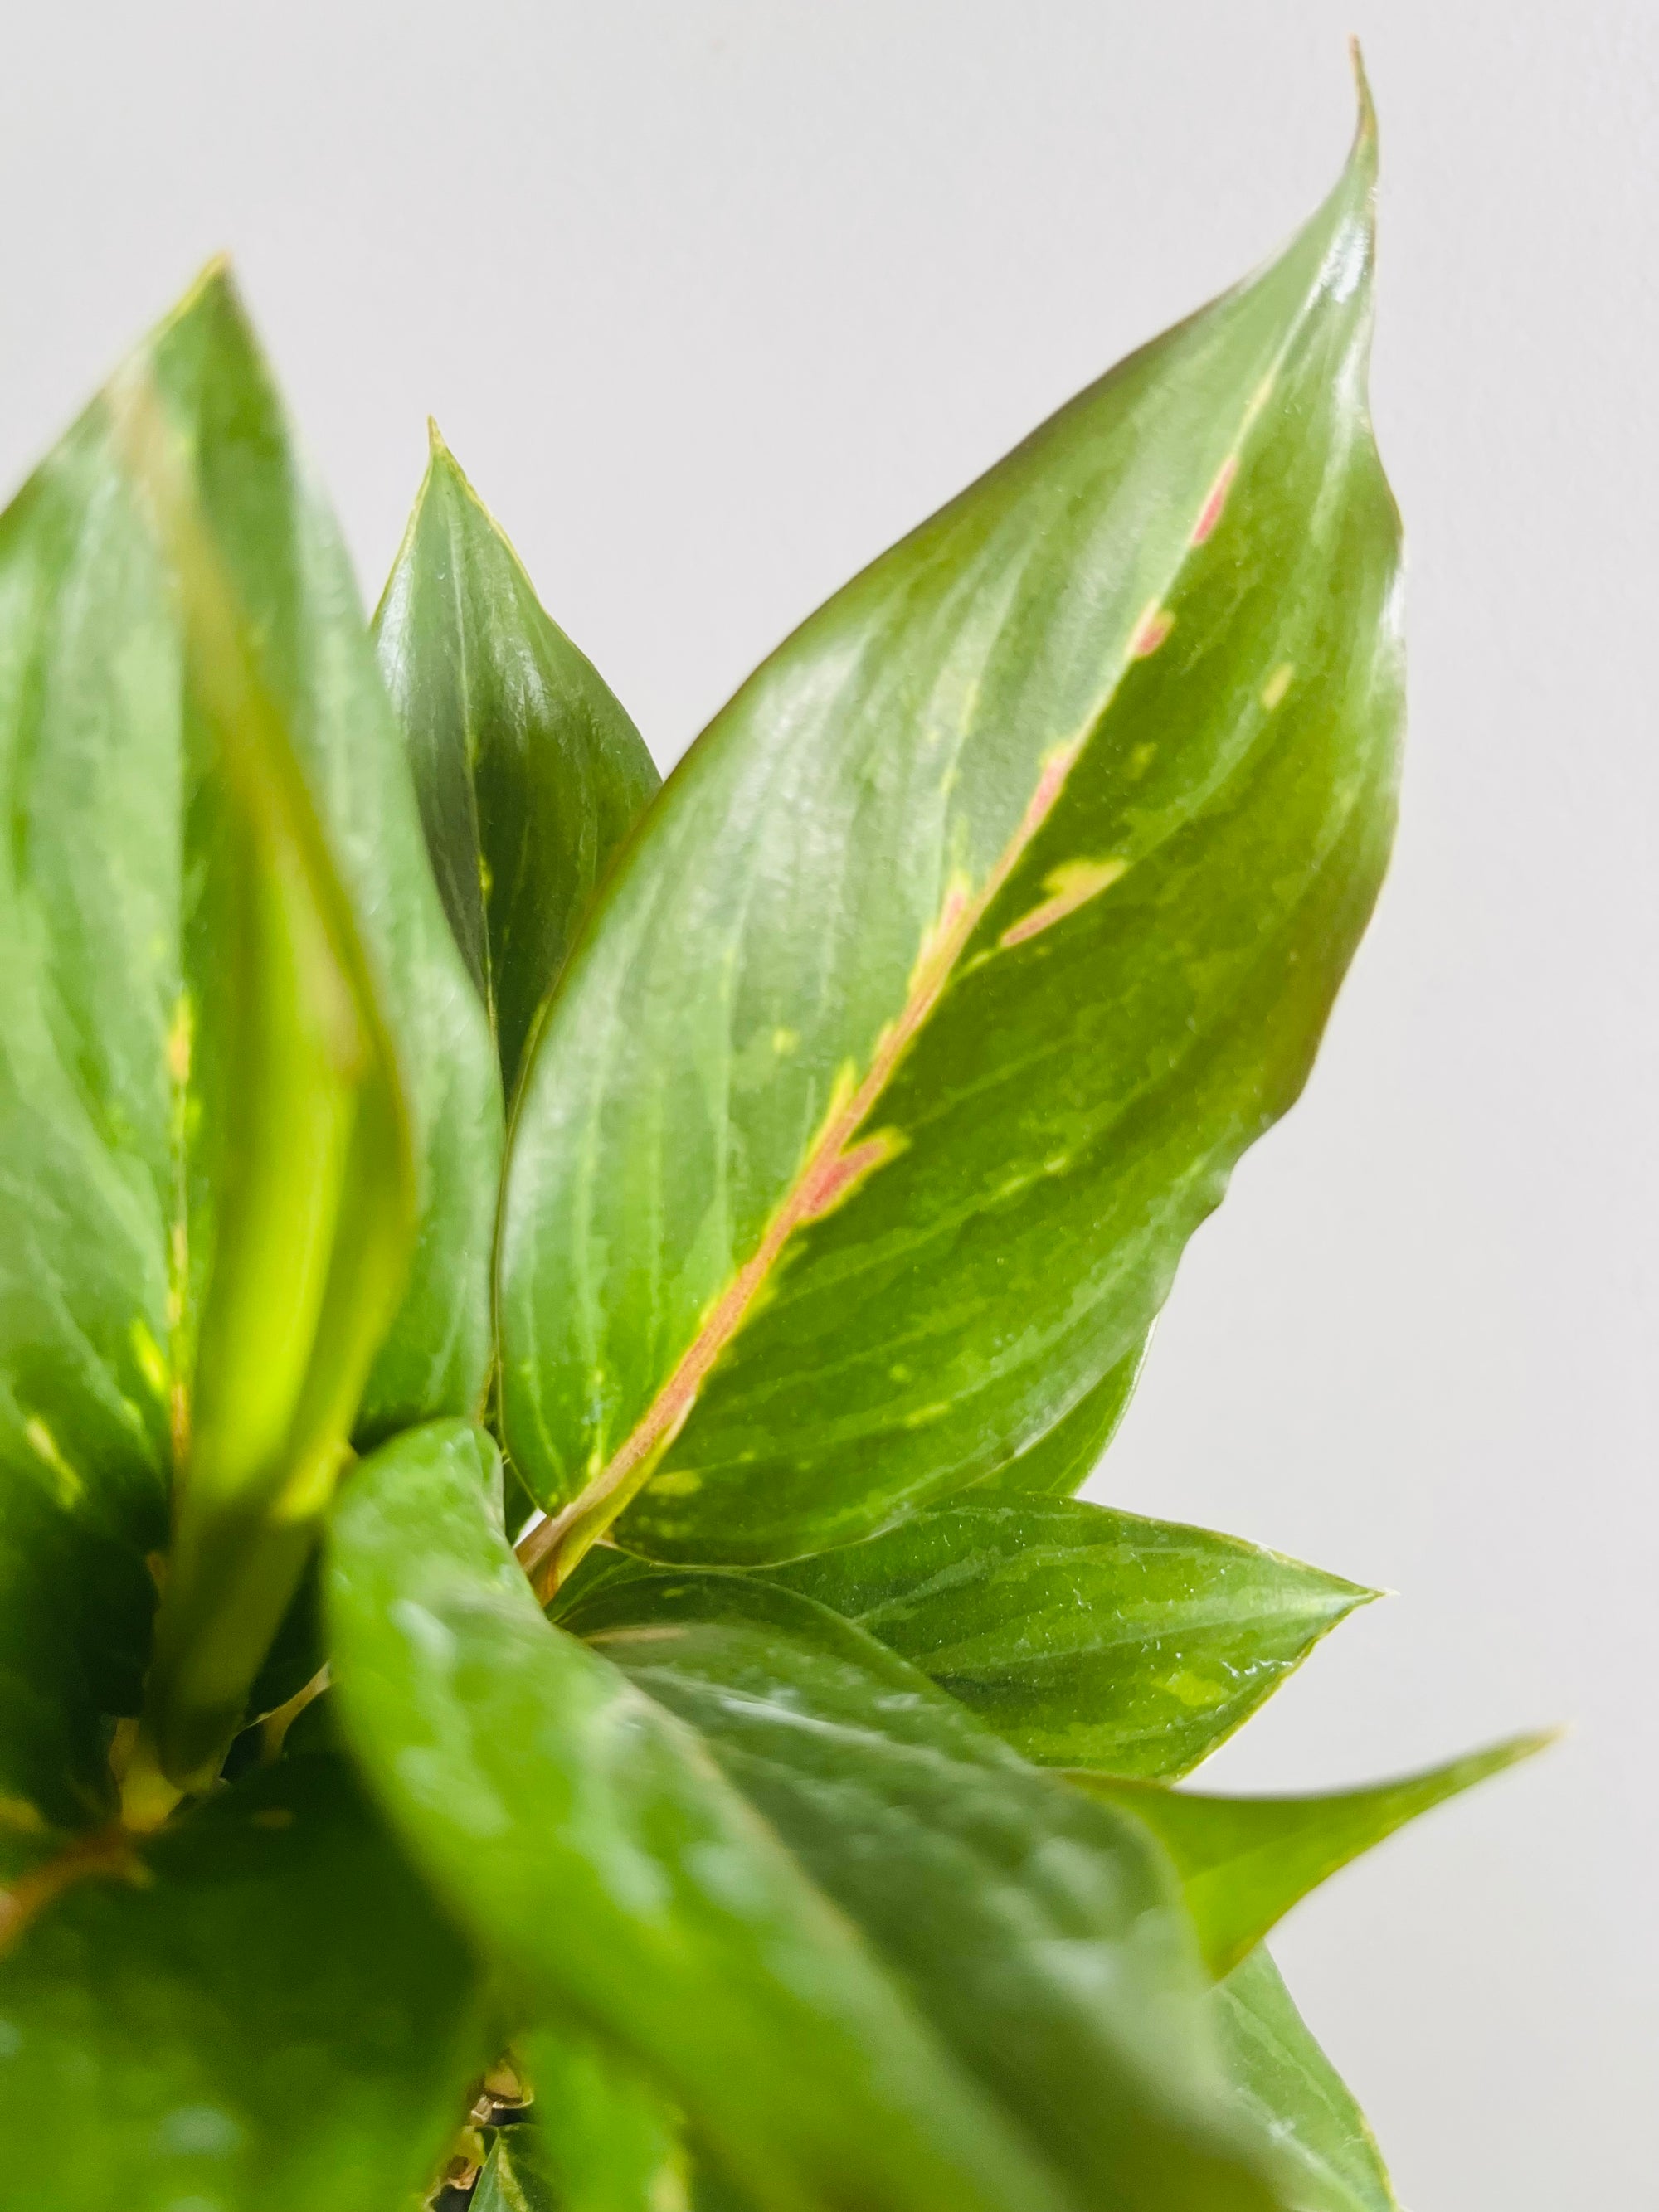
(550, 1655)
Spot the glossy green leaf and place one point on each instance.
(264, 2013)
(529, 772)
(1288, 2086)
(112, 1079)
(968, 949)
(1085, 1636)
(1244, 1861)
(1062, 1460)
(586, 1837)
(1047, 1951)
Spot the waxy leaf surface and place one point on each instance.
(1244, 1861)
(998, 912)
(1062, 1460)
(1046, 1950)
(1084, 1636)
(1285, 2082)
(529, 772)
(587, 1837)
(264, 2012)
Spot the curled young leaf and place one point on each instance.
(220, 933)
(963, 955)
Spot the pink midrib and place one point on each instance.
(830, 1172)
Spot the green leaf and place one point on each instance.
(1048, 1952)
(516, 2179)
(599, 2139)
(116, 1073)
(299, 1179)
(261, 2010)
(1244, 1861)
(529, 772)
(1062, 1458)
(999, 911)
(1085, 1636)
(1288, 2086)
(588, 1839)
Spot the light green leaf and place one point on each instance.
(1288, 2086)
(1048, 1952)
(588, 1839)
(999, 911)
(115, 1068)
(1244, 1861)
(259, 2010)
(1062, 1458)
(298, 1179)
(529, 772)
(1085, 1636)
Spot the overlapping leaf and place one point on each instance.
(1244, 1861)
(529, 772)
(1284, 2080)
(1045, 1950)
(970, 946)
(1085, 1636)
(261, 2010)
(586, 1836)
(1062, 1460)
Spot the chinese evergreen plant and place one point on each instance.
(553, 1655)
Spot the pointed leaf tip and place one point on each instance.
(1364, 136)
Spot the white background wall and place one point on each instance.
(715, 297)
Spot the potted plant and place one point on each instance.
(549, 1328)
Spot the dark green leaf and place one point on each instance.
(1285, 2083)
(107, 1065)
(1063, 1459)
(1085, 1636)
(530, 774)
(516, 2179)
(264, 2013)
(1244, 1861)
(1048, 1952)
(999, 912)
(586, 1837)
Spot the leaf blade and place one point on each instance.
(209, 2027)
(529, 772)
(1044, 1951)
(857, 1222)
(1244, 1861)
(1083, 1635)
(1285, 2080)
(573, 1822)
